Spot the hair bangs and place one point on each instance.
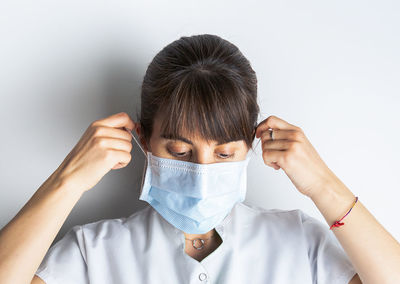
(207, 105)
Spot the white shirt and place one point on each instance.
(259, 246)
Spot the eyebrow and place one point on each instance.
(172, 137)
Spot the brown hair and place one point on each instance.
(200, 85)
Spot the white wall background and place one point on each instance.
(330, 67)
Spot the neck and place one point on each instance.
(201, 236)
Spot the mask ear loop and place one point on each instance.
(146, 160)
(254, 149)
(261, 119)
(137, 142)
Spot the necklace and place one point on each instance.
(195, 240)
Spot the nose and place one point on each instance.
(203, 157)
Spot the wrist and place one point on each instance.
(58, 183)
(333, 200)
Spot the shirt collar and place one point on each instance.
(222, 228)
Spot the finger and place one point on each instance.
(122, 159)
(273, 157)
(278, 134)
(113, 143)
(117, 166)
(275, 166)
(273, 122)
(271, 164)
(118, 120)
(105, 131)
(276, 145)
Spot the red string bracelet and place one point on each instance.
(337, 223)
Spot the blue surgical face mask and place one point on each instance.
(193, 197)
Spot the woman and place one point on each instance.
(197, 123)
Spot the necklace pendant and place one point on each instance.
(198, 247)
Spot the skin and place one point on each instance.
(363, 238)
(196, 150)
(291, 151)
(25, 240)
(105, 146)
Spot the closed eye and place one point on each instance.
(226, 156)
(176, 154)
(183, 154)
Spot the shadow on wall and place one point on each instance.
(117, 193)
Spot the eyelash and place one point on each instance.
(180, 156)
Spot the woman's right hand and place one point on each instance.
(105, 145)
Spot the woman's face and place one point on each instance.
(193, 149)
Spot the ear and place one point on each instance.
(139, 132)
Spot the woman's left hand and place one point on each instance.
(291, 151)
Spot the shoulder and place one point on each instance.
(117, 227)
(293, 223)
(292, 216)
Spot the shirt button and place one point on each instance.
(202, 276)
